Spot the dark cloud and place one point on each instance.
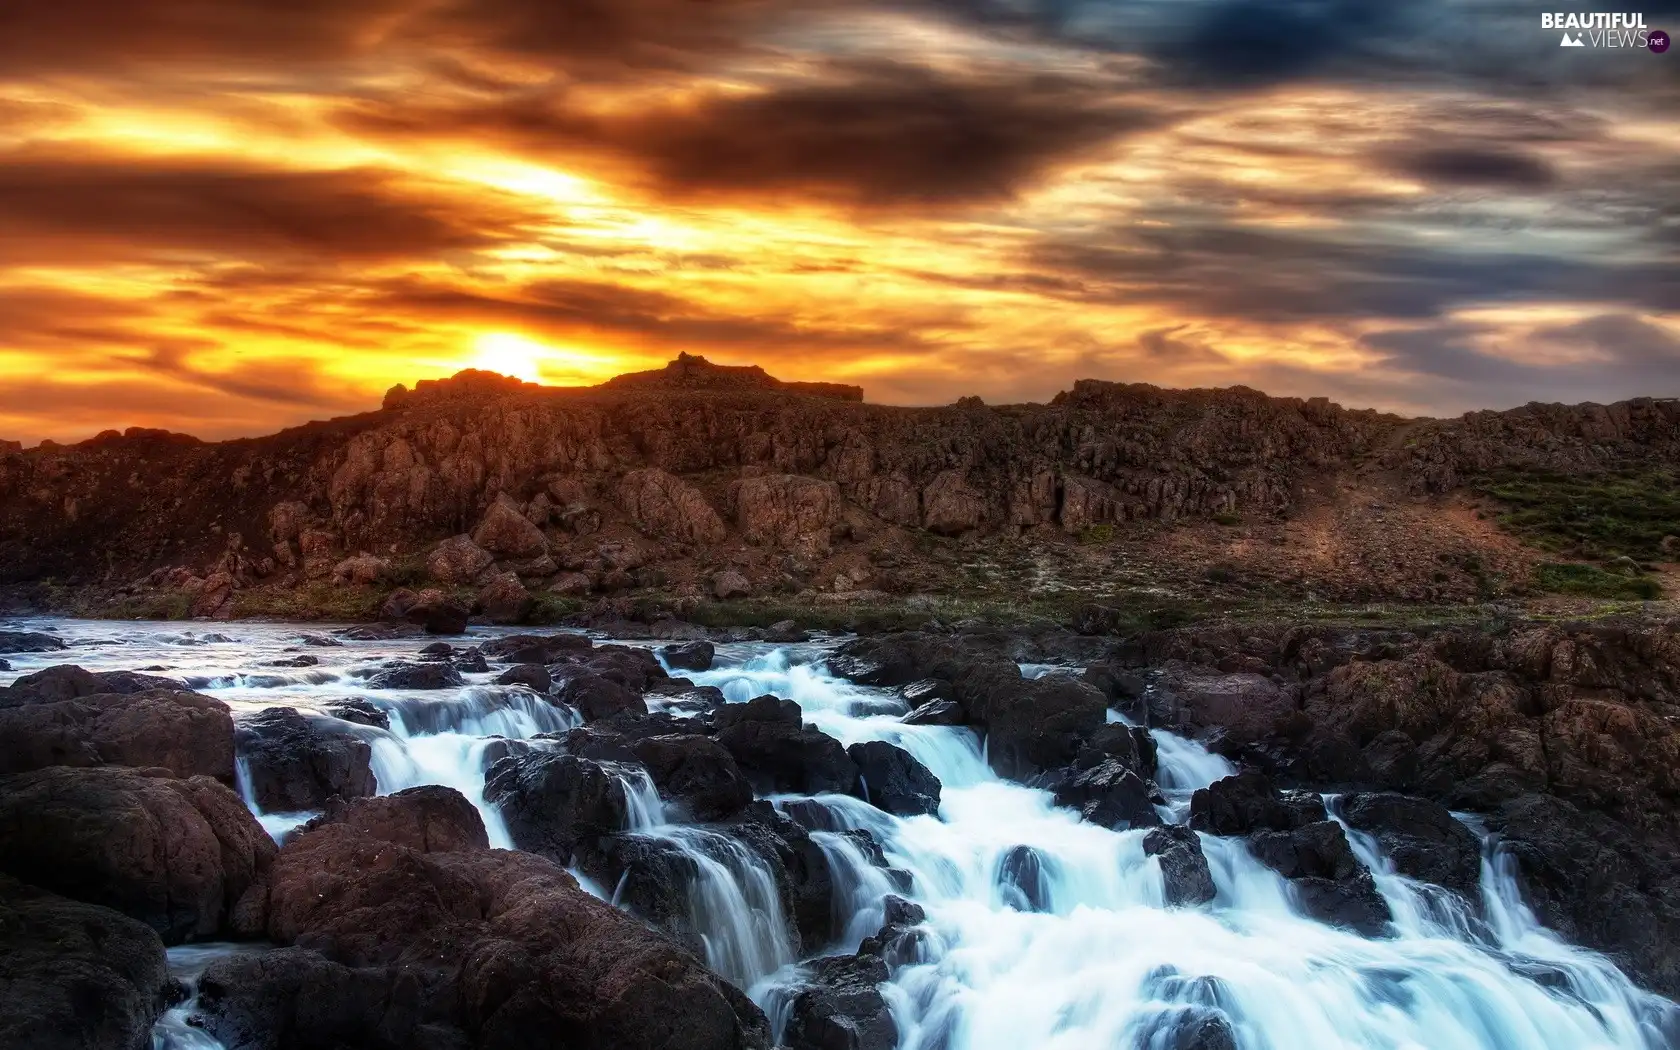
(863, 134)
(86, 208)
(1478, 166)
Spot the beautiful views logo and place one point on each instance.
(1604, 29)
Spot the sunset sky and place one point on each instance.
(227, 216)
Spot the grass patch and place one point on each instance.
(1590, 581)
(315, 600)
(1097, 534)
(1599, 516)
(549, 608)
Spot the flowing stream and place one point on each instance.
(1083, 955)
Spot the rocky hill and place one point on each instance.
(717, 482)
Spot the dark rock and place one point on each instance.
(1031, 724)
(1023, 879)
(689, 656)
(1187, 1028)
(470, 661)
(67, 682)
(535, 648)
(1329, 882)
(416, 676)
(634, 668)
(296, 762)
(1111, 795)
(891, 779)
(76, 976)
(1185, 877)
(696, 773)
(1422, 838)
(29, 642)
(785, 632)
(362, 712)
(1246, 802)
(437, 613)
(179, 855)
(841, 1008)
(552, 802)
(321, 641)
(532, 676)
(301, 660)
(926, 691)
(431, 819)
(597, 697)
(1124, 690)
(936, 713)
(898, 942)
(441, 652)
(184, 732)
(1131, 746)
(778, 753)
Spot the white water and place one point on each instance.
(1097, 963)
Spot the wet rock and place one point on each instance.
(667, 507)
(785, 632)
(1330, 883)
(530, 958)
(67, 681)
(360, 711)
(842, 1008)
(184, 732)
(596, 697)
(891, 779)
(928, 689)
(504, 599)
(1131, 746)
(176, 854)
(1023, 879)
(936, 713)
(1110, 795)
(505, 532)
(1186, 880)
(630, 666)
(416, 676)
(430, 818)
(1247, 802)
(321, 641)
(470, 661)
(29, 642)
(728, 586)
(1031, 724)
(1422, 838)
(531, 676)
(1187, 1028)
(437, 613)
(458, 561)
(778, 753)
(898, 942)
(301, 660)
(696, 773)
(650, 878)
(552, 802)
(1124, 689)
(689, 656)
(295, 762)
(75, 976)
(1241, 708)
(535, 648)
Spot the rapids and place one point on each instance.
(1082, 955)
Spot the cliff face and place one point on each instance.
(694, 461)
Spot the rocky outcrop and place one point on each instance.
(398, 946)
(294, 762)
(667, 507)
(688, 656)
(84, 724)
(552, 802)
(178, 854)
(75, 975)
(786, 511)
(891, 779)
(504, 599)
(505, 532)
(431, 819)
(1186, 880)
(1422, 839)
(778, 753)
(415, 676)
(841, 1008)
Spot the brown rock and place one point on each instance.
(665, 506)
(504, 599)
(317, 546)
(571, 583)
(950, 507)
(506, 532)
(786, 511)
(184, 732)
(431, 819)
(215, 597)
(458, 561)
(730, 585)
(362, 569)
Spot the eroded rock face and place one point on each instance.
(786, 511)
(842, 1009)
(75, 975)
(296, 762)
(187, 733)
(504, 598)
(179, 855)
(1423, 839)
(532, 959)
(665, 506)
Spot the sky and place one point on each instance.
(228, 216)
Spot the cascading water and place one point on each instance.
(1042, 931)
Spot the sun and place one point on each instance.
(510, 354)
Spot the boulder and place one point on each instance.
(553, 802)
(30, 642)
(1110, 794)
(437, 613)
(531, 676)
(1193, 1027)
(458, 561)
(296, 762)
(785, 632)
(595, 696)
(1330, 883)
(786, 511)
(535, 648)
(1023, 879)
(1247, 802)
(179, 855)
(215, 598)
(778, 753)
(401, 947)
(504, 598)
(668, 507)
(505, 531)
(186, 733)
(75, 976)
(362, 569)
(688, 656)
(696, 773)
(360, 711)
(728, 586)
(1186, 880)
(840, 1007)
(634, 668)
(1031, 724)
(571, 583)
(1422, 838)
(891, 779)
(1242, 708)
(430, 818)
(416, 676)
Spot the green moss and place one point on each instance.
(1227, 518)
(1590, 581)
(1097, 534)
(316, 600)
(552, 608)
(1597, 515)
